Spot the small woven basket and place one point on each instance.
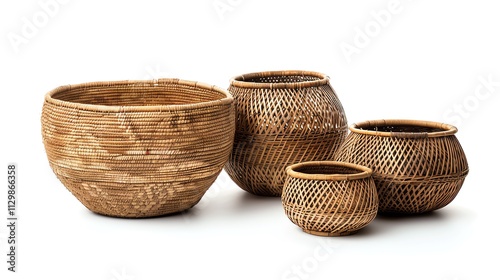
(138, 148)
(418, 166)
(283, 117)
(329, 198)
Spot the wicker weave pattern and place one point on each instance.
(138, 148)
(325, 204)
(414, 171)
(283, 117)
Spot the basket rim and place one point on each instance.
(447, 129)
(228, 99)
(364, 172)
(240, 81)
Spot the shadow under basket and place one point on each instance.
(329, 198)
(418, 166)
(138, 148)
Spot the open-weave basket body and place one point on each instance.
(138, 148)
(330, 198)
(418, 166)
(282, 118)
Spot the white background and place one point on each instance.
(424, 62)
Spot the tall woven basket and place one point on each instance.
(138, 148)
(329, 198)
(418, 166)
(282, 118)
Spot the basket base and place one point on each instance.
(140, 216)
(326, 233)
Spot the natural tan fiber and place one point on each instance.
(418, 166)
(138, 148)
(330, 198)
(283, 117)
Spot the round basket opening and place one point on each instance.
(166, 92)
(404, 128)
(328, 170)
(280, 79)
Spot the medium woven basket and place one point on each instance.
(418, 166)
(138, 148)
(282, 118)
(329, 198)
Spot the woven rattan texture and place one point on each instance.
(279, 126)
(128, 161)
(330, 207)
(413, 174)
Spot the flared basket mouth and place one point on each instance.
(328, 170)
(139, 96)
(280, 79)
(404, 128)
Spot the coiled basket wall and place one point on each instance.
(282, 118)
(138, 148)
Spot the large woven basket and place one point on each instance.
(283, 117)
(330, 198)
(138, 148)
(418, 166)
